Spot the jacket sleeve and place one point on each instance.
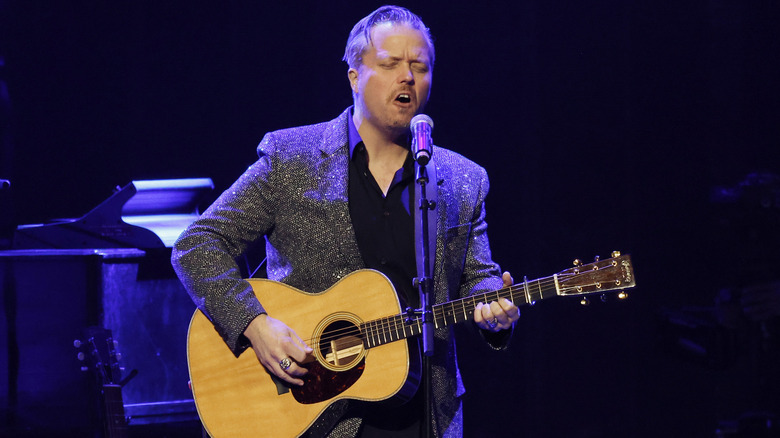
(204, 256)
(481, 274)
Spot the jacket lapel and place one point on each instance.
(335, 164)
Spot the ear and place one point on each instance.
(352, 74)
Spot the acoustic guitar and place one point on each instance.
(353, 328)
(98, 353)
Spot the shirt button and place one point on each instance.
(386, 213)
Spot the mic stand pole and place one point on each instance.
(425, 287)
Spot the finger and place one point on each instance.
(299, 349)
(479, 319)
(498, 312)
(487, 313)
(295, 370)
(283, 374)
(478, 314)
(490, 321)
(511, 310)
(507, 278)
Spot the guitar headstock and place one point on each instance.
(98, 352)
(601, 276)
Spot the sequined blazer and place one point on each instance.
(295, 195)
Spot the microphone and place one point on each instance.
(422, 145)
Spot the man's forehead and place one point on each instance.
(384, 34)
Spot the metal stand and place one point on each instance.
(425, 287)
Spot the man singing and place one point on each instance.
(340, 196)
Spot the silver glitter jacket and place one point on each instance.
(295, 195)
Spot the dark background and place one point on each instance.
(603, 125)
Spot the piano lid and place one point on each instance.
(143, 214)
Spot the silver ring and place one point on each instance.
(285, 363)
(493, 323)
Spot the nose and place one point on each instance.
(406, 75)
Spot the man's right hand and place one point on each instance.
(274, 342)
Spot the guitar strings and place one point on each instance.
(386, 327)
(398, 323)
(383, 328)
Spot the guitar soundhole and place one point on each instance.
(340, 363)
(340, 345)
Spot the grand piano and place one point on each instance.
(108, 269)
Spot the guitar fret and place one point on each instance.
(374, 334)
(454, 313)
(468, 311)
(390, 332)
(367, 334)
(539, 287)
(393, 330)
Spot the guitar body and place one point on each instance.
(237, 397)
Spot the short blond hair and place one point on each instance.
(360, 36)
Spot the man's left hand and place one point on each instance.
(498, 315)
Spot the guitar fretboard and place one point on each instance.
(394, 328)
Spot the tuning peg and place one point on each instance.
(603, 298)
(77, 343)
(597, 258)
(80, 356)
(577, 262)
(622, 295)
(585, 301)
(615, 254)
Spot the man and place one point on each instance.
(339, 196)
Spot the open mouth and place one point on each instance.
(404, 98)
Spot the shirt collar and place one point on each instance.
(354, 135)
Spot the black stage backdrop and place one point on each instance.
(603, 125)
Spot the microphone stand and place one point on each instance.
(425, 287)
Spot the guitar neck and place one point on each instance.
(397, 327)
(115, 423)
(598, 277)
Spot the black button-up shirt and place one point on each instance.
(384, 224)
(384, 228)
